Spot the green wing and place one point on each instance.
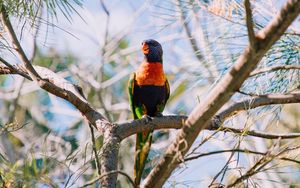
(130, 94)
(137, 111)
(143, 140)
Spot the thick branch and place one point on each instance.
(60, 87)
(11, 69)
(132, 127)
(221, 93)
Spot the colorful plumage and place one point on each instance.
(148, 93)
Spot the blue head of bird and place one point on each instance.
(152, 50)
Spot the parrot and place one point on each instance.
(149, 91)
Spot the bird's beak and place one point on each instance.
(145, 48)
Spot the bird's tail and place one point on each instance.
(143, 144)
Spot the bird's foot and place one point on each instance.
(147, 118)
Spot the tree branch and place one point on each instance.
(11, 69)
(52, 83)
(249, 23)
(97, 161)
(260, 134)
(261, 163)
(221, 93)
(132, 127)
(60, 87)
(9, 29)
(274, 68)
(124, 130)
(257, 101)
(106, 174)
(193, 42)
(236, 150)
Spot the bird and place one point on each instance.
(149, 91)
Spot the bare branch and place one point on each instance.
(236, 150)
(274, 68)
(104, 8)
(132, 127)
(193, 42)
(54, 84)
(103, 51)
(109, 173)
(127, 129)
(97, 161)
(260, 134)
(221, 93)
(62, 88)
(36, 33)
(9, 29)
(261, 163)
(11, 69)
(257, 101)
(249, 23)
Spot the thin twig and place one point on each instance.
(36, 33)
(249, 23)
(236, 150)
(260, 134)
(97, 161)
(109, 173)
(198, 53)
(223, 169)
(262, 162)
(100, 91)
(274, 68)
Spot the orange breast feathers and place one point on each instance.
(150, 74)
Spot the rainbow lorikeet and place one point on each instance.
(149, 91)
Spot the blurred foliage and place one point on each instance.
(46, 143)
